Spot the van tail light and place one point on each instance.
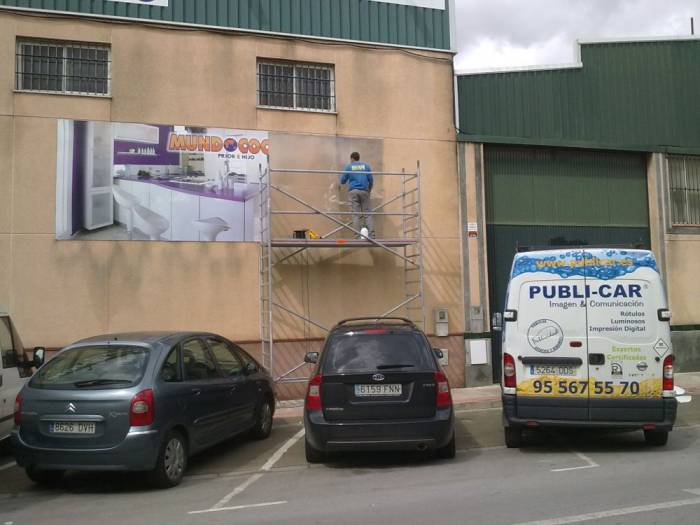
(443, 399)
(18, 409)
(142, 411)
(313, 393)
(668, 373)
(508, 371)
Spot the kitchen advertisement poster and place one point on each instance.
(125, 181)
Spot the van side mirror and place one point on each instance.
(497, 322)
(39, 356)
(311, 357)
(438, 353)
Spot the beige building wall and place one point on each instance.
(677, 252)
(395, 104)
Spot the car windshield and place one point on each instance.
(93, 367)
(349, 353)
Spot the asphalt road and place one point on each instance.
(559, 477)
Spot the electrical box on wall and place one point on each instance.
(442, 322)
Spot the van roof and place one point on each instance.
(594, 252)
(602, 263)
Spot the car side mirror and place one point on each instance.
(311, 357)
(438, 353)
(250, 368)
(39, 356)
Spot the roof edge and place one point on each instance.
(518, 69)
(578, 64)
(223, 29)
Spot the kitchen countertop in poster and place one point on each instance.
(230, 194)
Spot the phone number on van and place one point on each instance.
(623, 388)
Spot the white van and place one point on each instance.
(14, 372)
(587, 342)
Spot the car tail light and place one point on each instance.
(313, 394)
(442, 388)
(18, 409)
(508, 371)
(668, 373)
(142, 411)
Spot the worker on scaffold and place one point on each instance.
(358, 175)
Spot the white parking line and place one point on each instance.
(221, 504)
(9, 465)
(616, 512)
(240, 507)
(589, 461)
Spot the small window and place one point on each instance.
(228, 362)
(248, 362)
(289, 85)
(63, 67)
(684, 183)
(172, 371)
(198, 363)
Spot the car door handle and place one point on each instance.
(196, 391)
(596, 359)
(233, 388)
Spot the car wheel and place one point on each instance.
(45, 478)
(656, 438)
(513, 436)
(313, 455)
(171, 462)
(448, 451)
(263, 421)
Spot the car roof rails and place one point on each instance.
(376, 320)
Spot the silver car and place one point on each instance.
(138, 402)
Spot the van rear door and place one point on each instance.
(627, 343)
(550, 347)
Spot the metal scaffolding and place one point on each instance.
(276, 250)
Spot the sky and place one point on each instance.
(513, 33)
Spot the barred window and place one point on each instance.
(63, 67)
(303, 86)
(684, 182)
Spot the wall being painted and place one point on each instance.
(59, 291)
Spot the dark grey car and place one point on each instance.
(378, 386)
(139, 402)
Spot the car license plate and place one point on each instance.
(377, 390)
(544, 370)
(71, 427)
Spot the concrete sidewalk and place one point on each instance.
(689, 381)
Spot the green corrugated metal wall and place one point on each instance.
(634, 95)
(528, 186)
(343, 19)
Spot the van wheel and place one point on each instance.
(514, 436)
(263, 420)
(171, 462)
(313, 455)
(448, 451)
(45, 478)
(656, 438)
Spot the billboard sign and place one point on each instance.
(159, 3)
(431, 4)
(132, 181)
